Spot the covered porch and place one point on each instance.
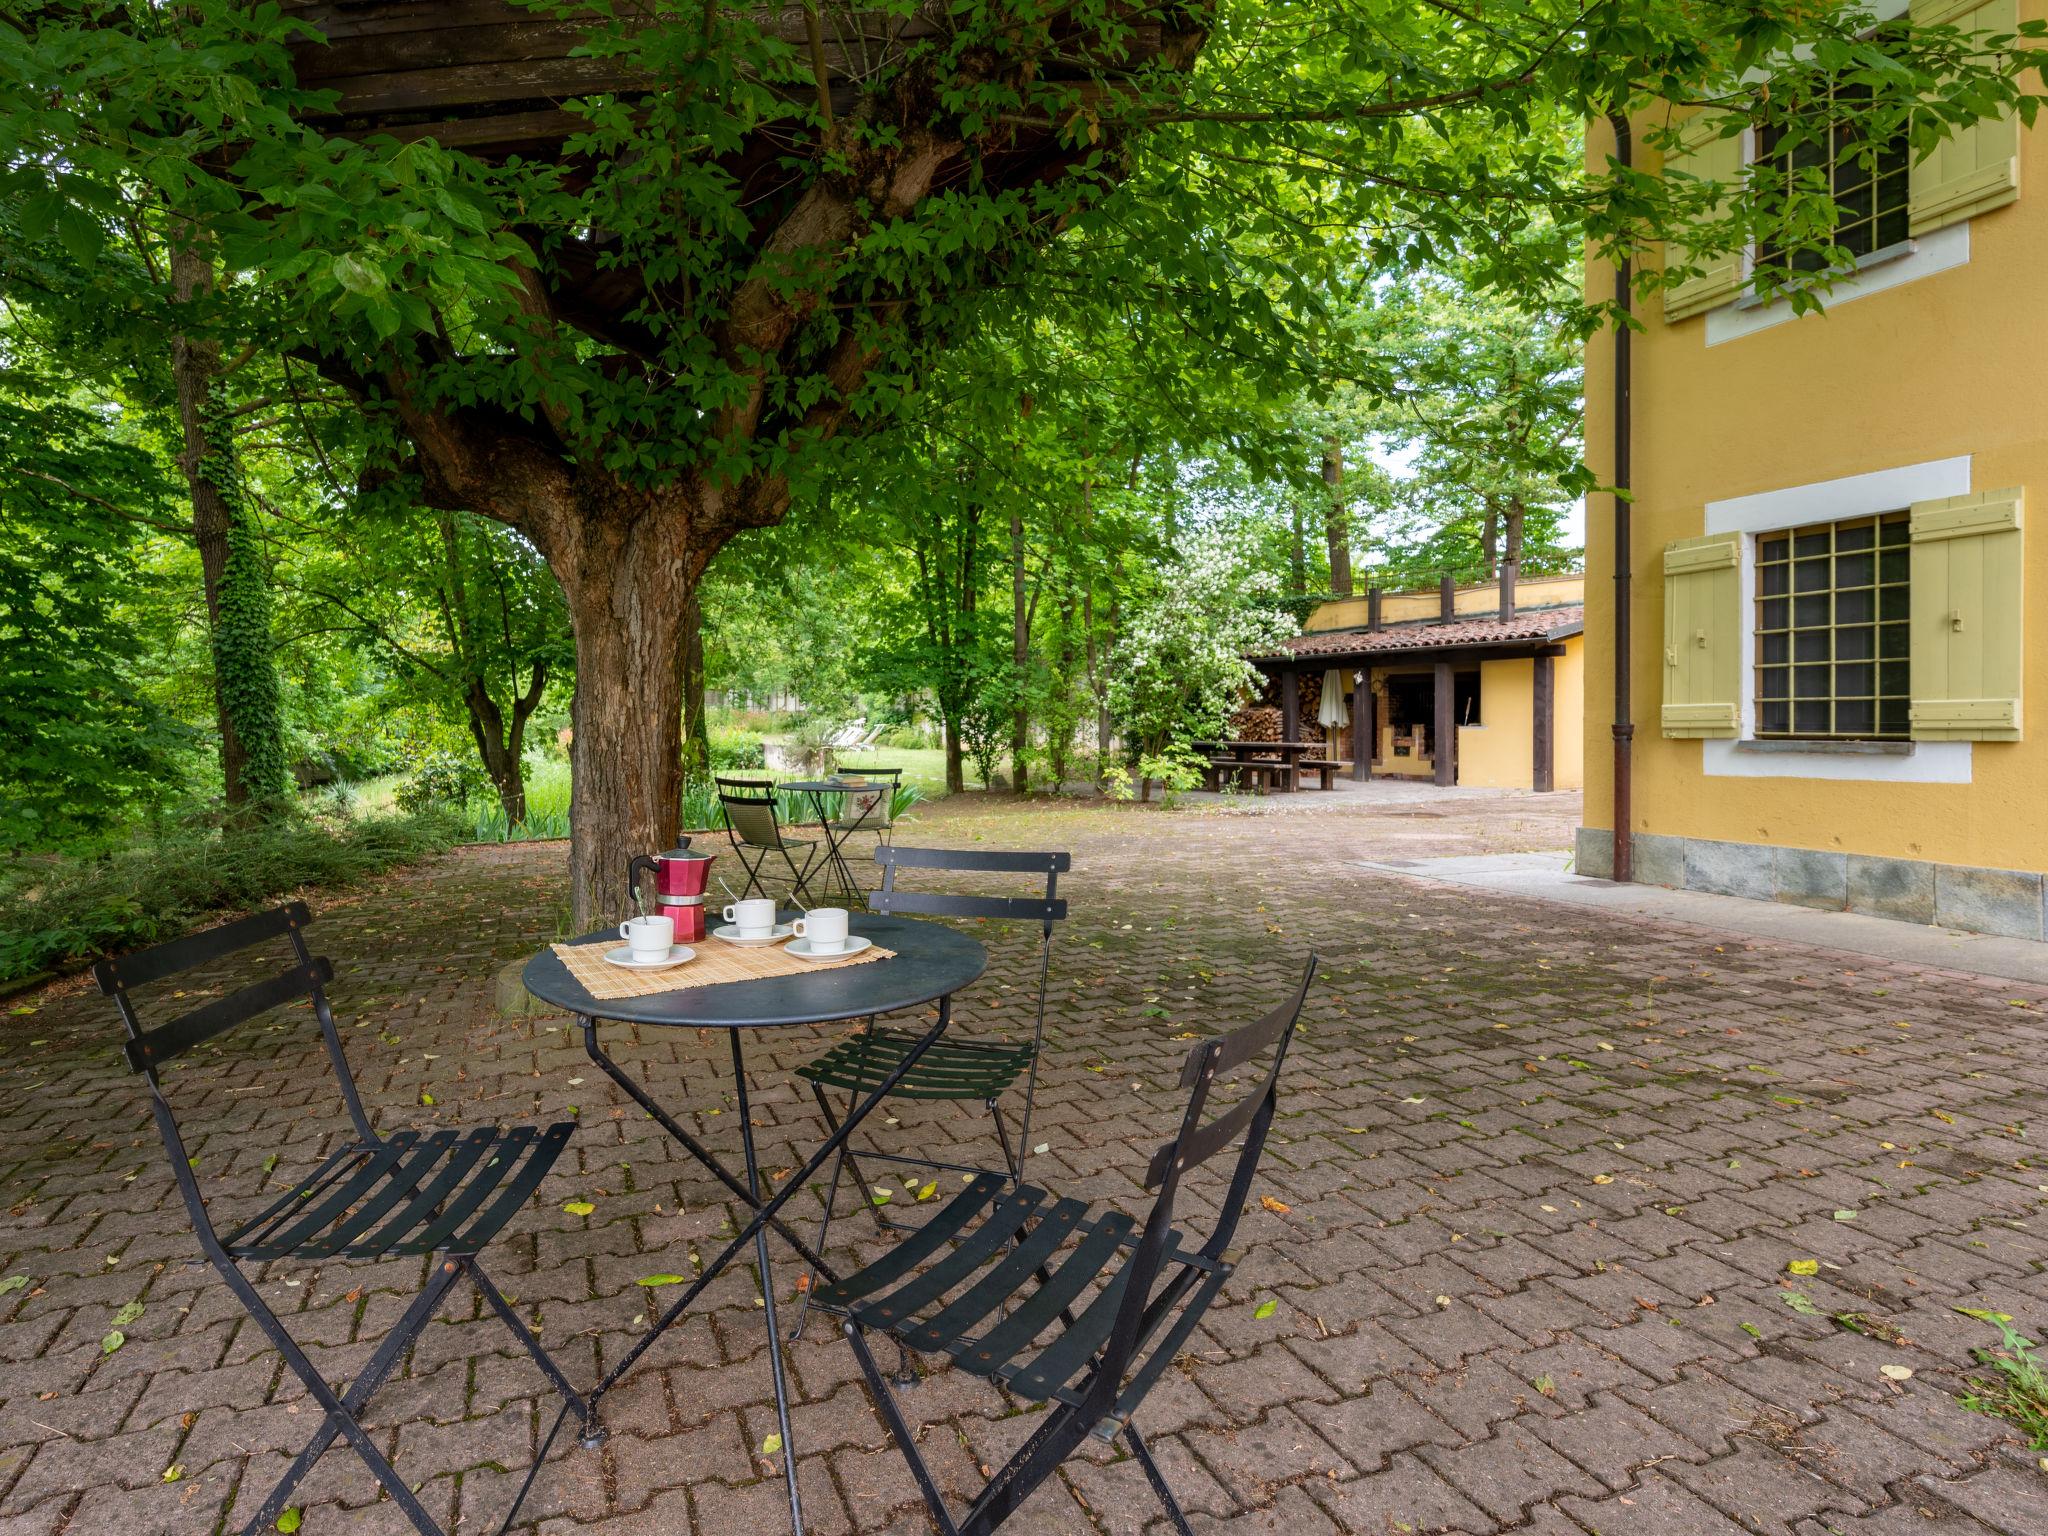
(1485, 700)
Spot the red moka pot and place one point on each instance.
(679, 880)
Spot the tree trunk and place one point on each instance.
(696, 729)
(1515, 515)
(1297, 554)
(1020, 659)
(1489, 542)
(629, 579)
(230, 565)
(956, 774)
(1337, 518)
(502, 747)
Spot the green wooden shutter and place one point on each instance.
(1702, 153)
(1974, 169)
(1968, 630)
(1703, 636)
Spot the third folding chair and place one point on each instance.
(1018, 1264)
(443, 1194)
(755, 826)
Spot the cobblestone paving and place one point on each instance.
(1546, 1171)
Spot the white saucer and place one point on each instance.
(623, 955)
(732, 935)
(801, 948)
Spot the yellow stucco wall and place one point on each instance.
(1409, 607)
(1499, 753)
(1568, 766)
(1946, 365)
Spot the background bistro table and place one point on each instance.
(931, 963)
(821, 792)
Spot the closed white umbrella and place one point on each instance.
(1333, 711)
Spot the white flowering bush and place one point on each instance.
(1178, 667)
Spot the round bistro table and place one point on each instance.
(930, 963)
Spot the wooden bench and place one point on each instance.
(1325, 770)
(1270, 773)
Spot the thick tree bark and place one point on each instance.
(1337, 518)
(1489, 541)
(635, 575)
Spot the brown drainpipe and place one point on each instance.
(1624, 726)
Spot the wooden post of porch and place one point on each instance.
(1362, 731)
(1372, 610)
(1447, 599)
(1543, 772)
(1507, 589)
(1445, 746)
(1290, 705)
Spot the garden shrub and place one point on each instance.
(58, 911)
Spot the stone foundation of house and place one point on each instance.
(2006, 902)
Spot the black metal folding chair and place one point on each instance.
(445, 1193)
(965, 1070)
(870, 807)
(755, 827)
(1020, 1263)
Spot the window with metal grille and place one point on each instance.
(1831, 630)
(1868, 180)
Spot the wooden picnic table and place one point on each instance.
(1279, 761)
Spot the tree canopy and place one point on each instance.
(1033, 288)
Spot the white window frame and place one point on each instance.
(1906, 261)
(1827, 501)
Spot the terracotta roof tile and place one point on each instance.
(1538, 624)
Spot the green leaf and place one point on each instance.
(1799, 1302)
(1803, 1267)
(81, 235)
(1984, 1315)
(13, 1283)
(358, 276)
(579, 1207)
(270, 1162)
(1265, 1310)
(1751, 1329)
(289, 1521)
(113, 1341)
(128, 1314)
(427, 1099)
(661, 1280)
(771, 1445)
(174, 1471)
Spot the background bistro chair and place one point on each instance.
(963, 1070)
(446, 1193)
(1096, 1368)
(756, 832)
(871, 808)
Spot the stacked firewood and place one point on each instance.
(1309, 693)
(1256, 722)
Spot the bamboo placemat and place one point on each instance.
(716, 961)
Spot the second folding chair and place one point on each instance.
(966, 1071)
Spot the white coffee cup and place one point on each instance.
(824, 927)
(754, 917)
(650, 938)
